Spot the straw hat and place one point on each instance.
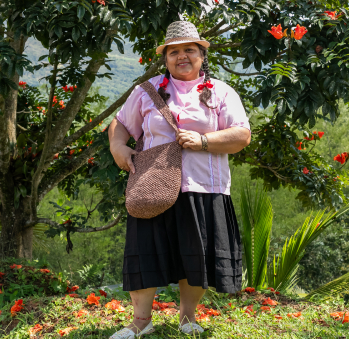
(181, 32)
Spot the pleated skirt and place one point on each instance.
(196, 239)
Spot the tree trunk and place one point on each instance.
(16, 240)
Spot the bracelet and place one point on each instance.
(143, 318)
(204, 142)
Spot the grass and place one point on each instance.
(58, 313)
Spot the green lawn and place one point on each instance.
(59, 313)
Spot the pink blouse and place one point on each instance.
(202, 171)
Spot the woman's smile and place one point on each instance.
(183, 64)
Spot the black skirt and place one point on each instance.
(196, 239)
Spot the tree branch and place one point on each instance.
(38, 173)
(227, 28)
(52, 223)
(227, 45)
(110, 110)
(51, 182)
(237, 73)
(213, 30)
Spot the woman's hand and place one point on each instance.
(122, 156)
(189, 139)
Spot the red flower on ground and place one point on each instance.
(17, 307)
(299, 32)
(294, 315)
(271, 289)
(249, 309)
(140, 60)
(2, 275)
(332, 15)
(278, 316)
(341, 157)
(277, 292)
(66, 331)
(33, 330)
(276, 32)
(74, 288)
(82, 313)
(249, 289)
(44, 270)
(0, 291)
(92, 299)
(269, 301)
(115, 305)
(305, 170)
(15, 266)
(104, 294)
(266, 308)
(73, 295)
(202, 317)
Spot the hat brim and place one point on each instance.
(204, 43)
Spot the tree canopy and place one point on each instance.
(296, 59)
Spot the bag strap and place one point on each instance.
(160, 104)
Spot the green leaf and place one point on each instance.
(144, 24)
(281, 106)
(81, 12)
(21, 140)
(158, 3)
(58, 31)
(76, 34)
(278, 79)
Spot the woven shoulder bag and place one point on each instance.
(155, 186)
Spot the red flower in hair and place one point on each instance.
(205, 84)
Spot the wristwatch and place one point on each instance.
(204, 142)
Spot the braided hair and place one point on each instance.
(206, 92)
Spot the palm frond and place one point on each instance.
(281, 270)
(334, 287)
(257, 220)
(39, 237)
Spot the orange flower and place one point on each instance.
(341, 157)
(299, 32)
(269, 301)
(321, 134)
(33, 330)
(140, 60)
(2, 275)
(305, 170)
(346, 318)
(249, 309)
(73, 295)
(276, 32)
(92, 299)
(216, 1)
(82, 313)
(0, 291)
(213, 312)
(71, 152)
(66, 331)
(170, 311)
(115, 305)
(44, 270)
(266, 308)
(102, 2)
(332, 15)
(104, 294)
(249, 289)
(337, 315)
(278, 316)
(14, 265)
(299, 145)
(202, 317)
(17, 307)
(74, 288)
(294, 315)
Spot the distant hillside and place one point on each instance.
(125, 68)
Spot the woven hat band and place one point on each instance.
(168, 41)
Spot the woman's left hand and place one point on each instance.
(189, 139)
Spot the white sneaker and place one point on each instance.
(126, 333)
(191, 328)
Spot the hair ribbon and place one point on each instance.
(205, 84)
(164, 83)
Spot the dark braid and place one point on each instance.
(162, 90)
(206, 92)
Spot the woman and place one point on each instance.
(196, 242)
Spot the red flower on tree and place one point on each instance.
(2, 275)
(299, 32)
(341, 157)
(44, 270)
(216, 1)
(15, 266)
(332, 15)
(276, 32)
(22, 84)
(140, 60)
(305, 170)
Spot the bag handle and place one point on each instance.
(160, 104)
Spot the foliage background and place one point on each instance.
(326, 259)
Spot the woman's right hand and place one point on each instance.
(122, 156)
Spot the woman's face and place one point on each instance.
(184, 61)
